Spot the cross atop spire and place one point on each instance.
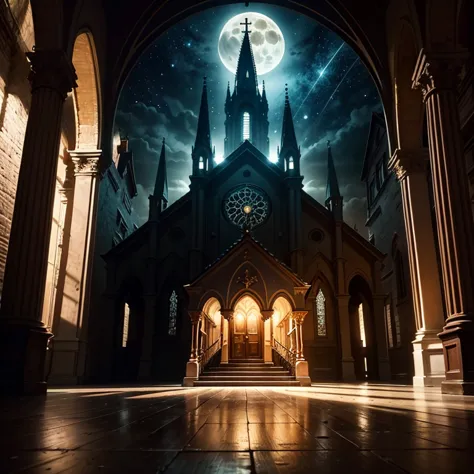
(246, 24)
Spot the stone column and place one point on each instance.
(267, 335)
(70, 341)
(436, 75)
(23, 336)
(410, 168)
(381, 338)
(348, 372)
(301, 368)
(192, 367)
(227, 315)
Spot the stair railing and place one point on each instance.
(287, 356)
(207, 354)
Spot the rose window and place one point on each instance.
(247, 206)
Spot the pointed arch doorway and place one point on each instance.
(246, 330)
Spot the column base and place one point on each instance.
(68, 362)
(428, 360)
(348, 372)
(302, 373)
(458, 350)
(22, 358)
(192, 373)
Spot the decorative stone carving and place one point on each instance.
(299, 316)
(266, 314)
(195, 316)
(86, 163)
(246, 280)
(301, 290)
(406, 162)
(51, 70)
(438, 70)
(228, 314)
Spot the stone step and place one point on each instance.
(247, 361)
(226, 368)
(240, 383)
(246, 378)
(233, 364)
(258, 373)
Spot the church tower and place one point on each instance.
(202, 152)
(159, 198)
(289, 154)
(333, 195)
(246, 109)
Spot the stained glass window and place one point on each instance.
(173, 314)
(321, 313)
(246, 204)
(126, 318)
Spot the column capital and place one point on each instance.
(266, 314)
(298, 316)
(51, 69)
(405, 162)
(438, 70)
(86, 162)
(228, 314)
(195, 316)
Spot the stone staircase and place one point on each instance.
(246, 373)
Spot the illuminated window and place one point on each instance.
(361, 326)
(291, 163)
(321, 313)
(247, 75)
(201, 163)
(246, 126)
(126, 319)
(173, 314)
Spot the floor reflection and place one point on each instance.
(332, 428)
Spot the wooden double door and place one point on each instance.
(246, 335)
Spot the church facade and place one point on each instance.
(245, 265)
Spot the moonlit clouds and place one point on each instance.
(267, 41)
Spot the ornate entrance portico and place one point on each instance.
(262, 309)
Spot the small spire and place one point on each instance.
(288, 135)
(203, 135)
(161, 183)
(332, 188)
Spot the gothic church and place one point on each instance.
(245, 266)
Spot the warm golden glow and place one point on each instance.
(247, 209)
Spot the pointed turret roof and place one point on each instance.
(203, 135)
(332, 188)
(246, 74)
(161, 183)
(288, 135)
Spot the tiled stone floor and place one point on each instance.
(330, 428)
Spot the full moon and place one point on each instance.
(268, 44)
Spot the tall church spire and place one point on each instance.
(333, 195)
(202, 154)
(289, 156)
(246, 110)
(159, 198)
(246, 75)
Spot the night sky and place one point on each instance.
(162, 95)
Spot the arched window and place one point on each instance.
(321, 314)
(126, 319)
(201, 163)
(173, 314)
(291, 163)
(247, 75)
(246, 126)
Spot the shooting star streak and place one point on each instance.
(321, 74)
(337, 87)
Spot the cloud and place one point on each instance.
(355, 214)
